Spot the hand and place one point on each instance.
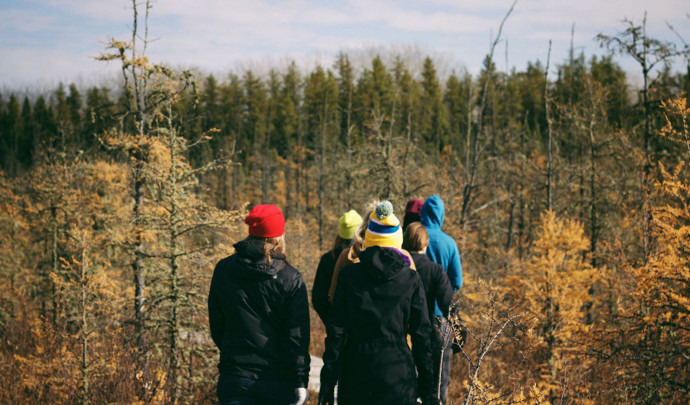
(301, 395)
(430, 400)
(326, 395)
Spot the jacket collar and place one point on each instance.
(252, 262)
(382, 263)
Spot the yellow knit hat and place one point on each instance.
(384, 228)
(348, 224)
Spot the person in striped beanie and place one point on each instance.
(351, 255)
(378, 302)
(384, 228)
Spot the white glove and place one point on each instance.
(301, 395)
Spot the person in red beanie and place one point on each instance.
(259, 318)
(413, 209)
(265, 221)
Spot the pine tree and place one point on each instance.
(287, 127)
(456, 99)
(320, 105)
(433, 117)
(254, 128)
(12, 128)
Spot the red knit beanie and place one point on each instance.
(414, 206)
(266, 221)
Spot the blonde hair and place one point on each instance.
(358, 237)
(272, 246)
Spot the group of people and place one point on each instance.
(382, 291)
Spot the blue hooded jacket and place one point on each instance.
(442, 248)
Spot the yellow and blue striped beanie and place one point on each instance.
(384, 228)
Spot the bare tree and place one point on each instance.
(470, 183)
(648, 53)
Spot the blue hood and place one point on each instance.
(432, 212)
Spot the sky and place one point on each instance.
(43, 42)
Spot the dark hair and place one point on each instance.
(339, 244)
(409, 218)
(415, 237)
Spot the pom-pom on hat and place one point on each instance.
(348, 224)
(265, 221)
(384, 228)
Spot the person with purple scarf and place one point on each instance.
(377, 303)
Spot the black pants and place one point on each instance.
(233, 390)
(441, 365)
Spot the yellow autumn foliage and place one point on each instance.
(554, 287)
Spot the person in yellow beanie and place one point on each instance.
(350, 255)
(384, 228)
(348, 223)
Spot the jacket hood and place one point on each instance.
(432, 212)
(382, 263)
(251, 262)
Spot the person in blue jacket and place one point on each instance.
(443, 250)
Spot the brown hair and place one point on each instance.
(415, 238)
(338, 245)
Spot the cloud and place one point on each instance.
(214, 34)
(30, 68)
(100, 10)
(26, 22)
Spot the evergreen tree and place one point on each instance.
(253, 134)
(99, 114)
(456, 99)
(44, 123)
(320, 106)
(12, 133)
(25, 146)
(433, 115)
(613, 79)
(289, 132)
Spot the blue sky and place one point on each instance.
(46, 41)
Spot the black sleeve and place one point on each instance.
(297, 325)
(444, 291)
(322, 283)
(420, 333)
(336, 334)
(216, 319)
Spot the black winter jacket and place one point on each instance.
(322, 281)
(377, 303)
(259, 316)
(436, 283)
